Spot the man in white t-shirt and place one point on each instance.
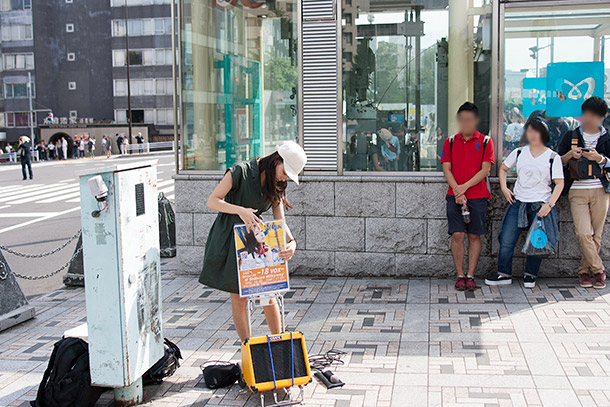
(588, 147)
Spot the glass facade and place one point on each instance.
(405, 67)
(553, 60)
(397, 76)
(239, 80)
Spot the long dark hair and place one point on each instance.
(274, 190)
(251, 243)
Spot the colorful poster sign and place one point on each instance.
(534, 95)
(259, 266)
(569, 84)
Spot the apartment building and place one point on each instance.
(76, 55)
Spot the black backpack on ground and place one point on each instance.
(166, 366)
(67, 380)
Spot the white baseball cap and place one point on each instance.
(294, 159)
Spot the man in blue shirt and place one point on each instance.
(390, 150)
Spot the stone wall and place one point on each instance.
(368, 226)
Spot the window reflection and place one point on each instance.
(239, 78)
(543, 43)
(396, 106)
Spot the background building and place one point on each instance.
(76, 55)
(363, 65)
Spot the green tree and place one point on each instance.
(280, 74)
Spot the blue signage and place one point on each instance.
(569, 84)
(534, 95)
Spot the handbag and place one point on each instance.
(537, 242)
(221, 375)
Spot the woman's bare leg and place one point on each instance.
(240, 316)
(273, 317)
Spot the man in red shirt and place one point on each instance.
(467, 158)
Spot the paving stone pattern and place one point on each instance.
(409, 342)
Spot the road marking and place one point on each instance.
(60, 198)
(164, 183)
(171, 197)
(40, 219)
(68, 180)
(37, 197)
(5, 206)
(25, 214)
(31, 191)
(12, 188)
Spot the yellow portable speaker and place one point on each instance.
(275, 361)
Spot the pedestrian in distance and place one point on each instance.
(124, 145)
(246, 191)
(51, 148)
(64, 148)
(75, 148)
(108, 147)
(140, 141)
(585, 154)
(104, 145)
(119, 143)
(24, 152)
(467, 158)
(81, 148)
(533, 199)
(91, 146)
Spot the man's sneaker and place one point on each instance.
(599, 280)
(529, 281)
(585, 280)
(471, 285)
(499, 279)
(460, 283)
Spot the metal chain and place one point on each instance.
(44, 254)
(51, 274)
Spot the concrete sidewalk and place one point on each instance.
(409, 342)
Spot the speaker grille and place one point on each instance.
(281, 360)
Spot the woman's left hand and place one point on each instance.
(544, 210)
(288, 252)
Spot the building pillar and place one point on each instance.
(597, 48)
(460, 59)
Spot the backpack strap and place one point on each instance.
(45, 378)
(451, 145)
(485, 142)
(551, 161)
(574, 139)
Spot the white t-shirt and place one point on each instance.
(590, 143)
(534, 174)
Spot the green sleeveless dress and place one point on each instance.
(220, 263)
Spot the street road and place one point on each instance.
(40, 214)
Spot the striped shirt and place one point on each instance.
(590, 143)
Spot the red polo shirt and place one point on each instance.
(466, 160)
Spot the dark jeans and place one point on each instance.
(26, 161)
(509, 235)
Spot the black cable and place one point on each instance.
(323, 361)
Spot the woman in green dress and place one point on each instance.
(246, 191)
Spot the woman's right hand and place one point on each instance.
(509, 195)
(248, 215)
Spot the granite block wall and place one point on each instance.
(368, 226)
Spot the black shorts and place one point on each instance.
(478, 216)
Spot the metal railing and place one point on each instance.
(12, 157)
(150, 147)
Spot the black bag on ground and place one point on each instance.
(166, 366)
(67, 380)
(221, 375)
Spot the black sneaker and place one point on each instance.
(529, 281)
(499, 279)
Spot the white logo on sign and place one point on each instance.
(576, 94)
